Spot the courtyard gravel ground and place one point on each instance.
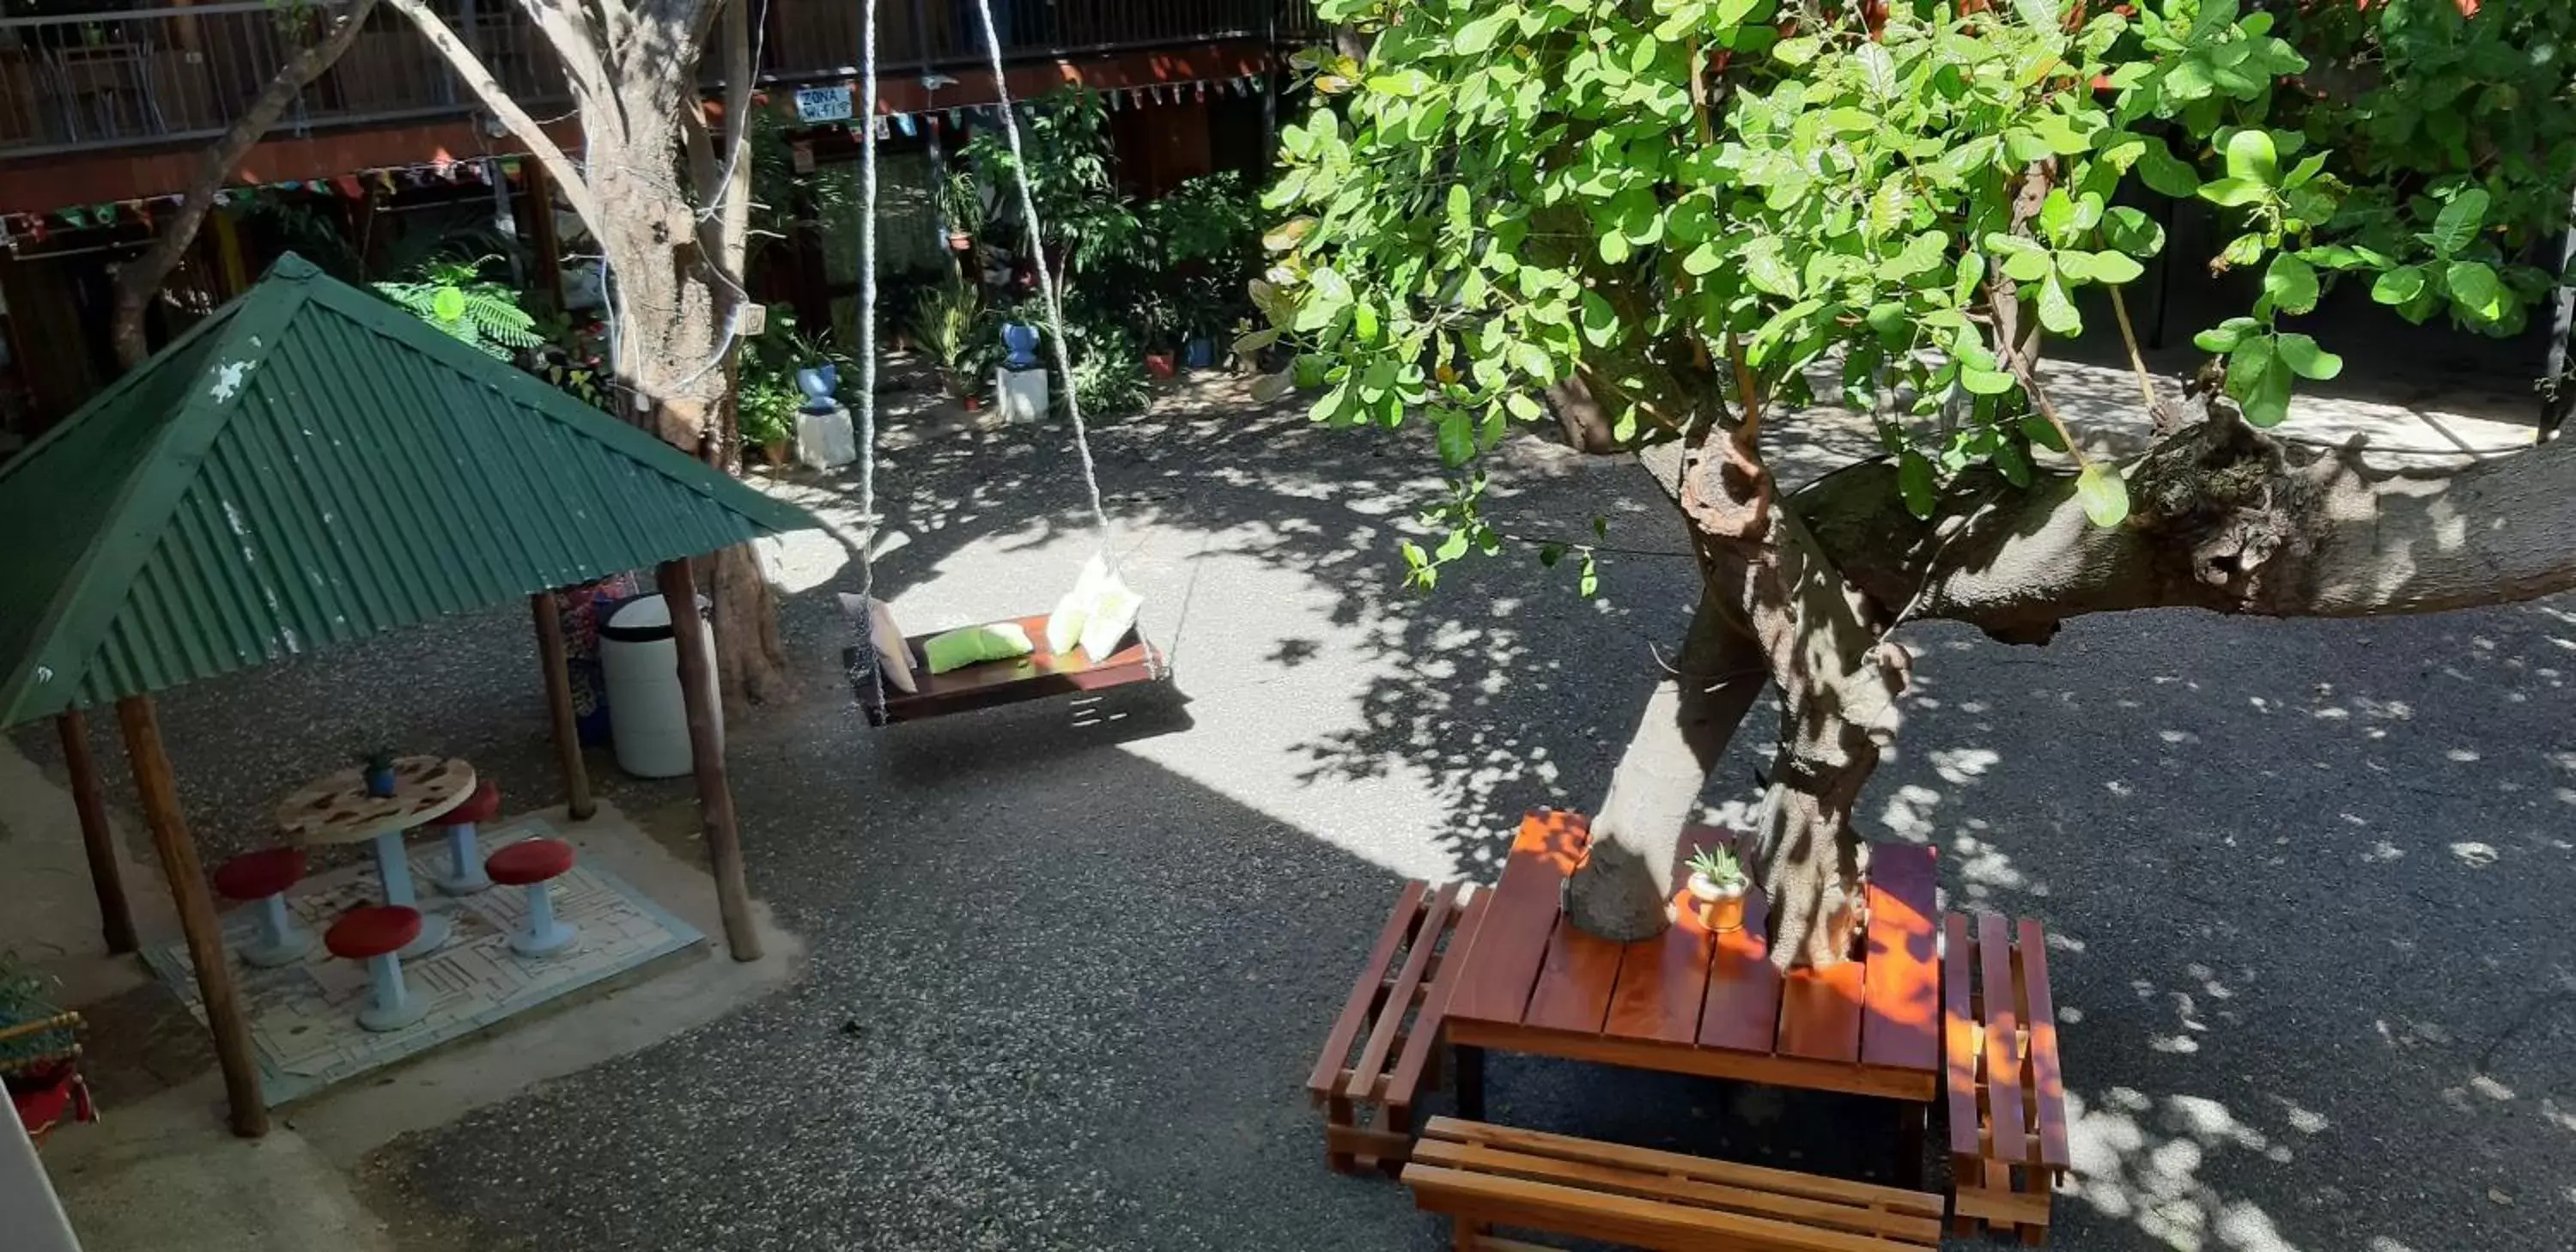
(2309, 882)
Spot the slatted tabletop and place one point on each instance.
(1694, 1002)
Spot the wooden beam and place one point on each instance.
(558, 675)
(539, 226)
(115, 918)
(706, 751)
(178, 849)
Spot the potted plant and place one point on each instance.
(961, 206)
(1717, 885)
(958, 336)
(764, 411)
(379, 772)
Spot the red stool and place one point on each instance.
(464, 874)
(532, 863)
(376, 934)
(263, 878)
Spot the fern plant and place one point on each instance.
(455, 297)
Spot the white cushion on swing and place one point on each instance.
(894, 657)
(1113, 614)
(1095, 615)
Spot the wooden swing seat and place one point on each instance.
(1037, 676)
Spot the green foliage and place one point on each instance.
(1717, 864)
(455, 297)
(1065, 137)
(950, 326)
(766, 396)
(1510, 193)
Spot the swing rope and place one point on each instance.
(868, 353)
(1046, 284)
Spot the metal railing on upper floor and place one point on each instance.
(167, 74)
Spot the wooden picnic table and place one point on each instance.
(1692, 1002)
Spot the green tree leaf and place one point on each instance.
(2252, 158)
(1457, 442)
(2057, 309)
(2292, 284)
(1600, 323)
(2224, 337)
(2399, 285)
(2166, 173)
(2458, 224)
(2306, 359)
(2103, 494)
(2475, 288)
(2041, 15)
(2233, 192)
(1878, 69)
(1914, 481)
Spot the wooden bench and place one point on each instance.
(2007, 1093)
(1386, 1042)
(1484, 1176)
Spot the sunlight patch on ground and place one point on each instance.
(2151, 1162)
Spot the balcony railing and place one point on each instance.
(153, 75)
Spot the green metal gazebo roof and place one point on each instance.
(311, 464)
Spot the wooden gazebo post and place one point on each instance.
(115, 917)
(558, 672)
(178, 849)
(706, 753)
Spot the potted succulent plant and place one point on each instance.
(1717, 885)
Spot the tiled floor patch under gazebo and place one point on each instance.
(304, 1016)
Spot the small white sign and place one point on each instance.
(823, 104)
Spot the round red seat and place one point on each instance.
(372, 931)
(482, 806)
(529, 861)
(259, 875)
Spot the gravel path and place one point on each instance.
(2309, 882)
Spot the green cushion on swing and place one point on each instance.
(974, 645)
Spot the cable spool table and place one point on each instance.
(339, 809)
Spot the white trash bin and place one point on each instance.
(640, 660)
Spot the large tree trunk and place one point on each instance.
(140, 278)
(1629, 876)
(2224, 518)
(673, 272)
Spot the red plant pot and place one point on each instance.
(1159, 364)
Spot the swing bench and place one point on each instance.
(1114, 653)
(1042, 674)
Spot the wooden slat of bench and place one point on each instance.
(1512, 936)
(2048, 1081)
(1663, 981)
(1903, 995)
(1653, 1160)
(1575, 981)
(2003, 1040)
(1651, 1185)
(1743, 1008)
(1623, 1219)
(1399, 996)
(1820, 1011)
(1364, 991)
(1961, 1036)
(1424, 1042)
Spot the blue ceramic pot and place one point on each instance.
(1020, 346)
(1199, 352)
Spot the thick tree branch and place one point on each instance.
(140, 278)
(568, 177)
(2223, 519)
